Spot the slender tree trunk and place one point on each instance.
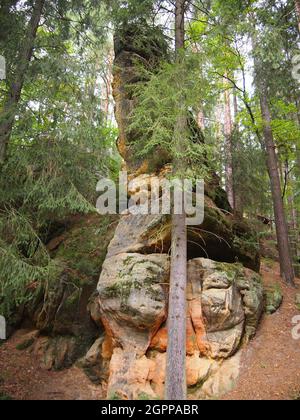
(179, 25)
(238, 191)
(235, 106)
(219, 128)
(228, 129)
(286, 263)
(196, 48)
(108, 83)
(294, 232)
(176, 352)
(201, 119)
(297, 4)
(7, 115)
(297, 174)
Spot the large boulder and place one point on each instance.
(96, 361)
(224, 305)
(133, 298)
(232, 302)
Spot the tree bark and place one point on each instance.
(228, 129)
(201, 119)
(297, 5)
(176, 351)
(286, 263)
(179, 25)
(238, 189)
(107, 79)
(7, 115)
(294, 232)
(175, 388)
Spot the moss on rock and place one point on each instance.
(61, 309)
(273, 299)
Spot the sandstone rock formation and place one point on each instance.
(225, 237)
(134, 46)
(225, 297)
(119, 333)
(225, 302)
(133, 294)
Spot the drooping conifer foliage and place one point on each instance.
(57, 132)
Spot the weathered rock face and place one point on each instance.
(130, 376)
(60, 311)
(225, 302)
(95, 363)
(206, 378)
(226, 238)
(220, 237)
(132, 293)
(231, 300)
(55, 353)
(273, 298)
(224, 299)
(141, 234)
(134, 45)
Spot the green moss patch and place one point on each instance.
(273, 299)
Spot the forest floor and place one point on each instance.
(21, 377)
(269, 367)
(270, 363)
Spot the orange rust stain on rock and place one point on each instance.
(160, 340)
(195, 311)
(107, 347)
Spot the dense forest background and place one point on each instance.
(236, 75)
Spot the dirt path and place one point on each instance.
(270, 363)
(21, 378)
